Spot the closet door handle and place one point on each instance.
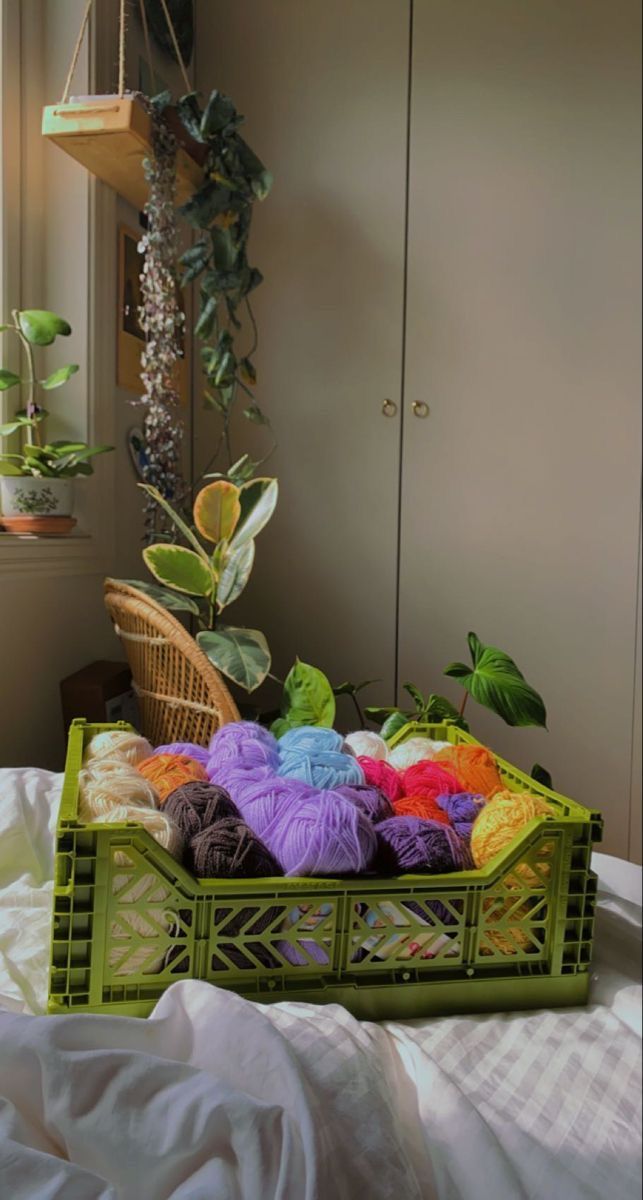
(420, 409)
(389, 408)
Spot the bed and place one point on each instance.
(216, 1097)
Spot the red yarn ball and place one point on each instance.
(421, 806)
(381, 775)
(429, 780)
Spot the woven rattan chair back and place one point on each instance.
(181, 696)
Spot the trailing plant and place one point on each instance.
(61, 459)
(204, 580)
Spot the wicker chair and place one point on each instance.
(181, 696)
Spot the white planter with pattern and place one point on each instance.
(27, 496)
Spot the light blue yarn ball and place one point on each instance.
(313, 756)
(311, 739)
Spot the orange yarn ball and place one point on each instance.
(475, 766)
(169, 771)
(420, 806)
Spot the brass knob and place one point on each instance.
(389, 408)
(420, 409)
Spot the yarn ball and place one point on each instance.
(230, 850)
(462, 810)
(195, 806)
(108, 783)
(168, 771)
(370, 800)
(382, 775)
(509, 940)
(414, 845)
(325, 836)
(311, 739)
(120, 744)
(420, 806)
(237, 733)
(189, 749)
(157, 824)
(501, 820)
(267, 805)
(366, 743)
(475, 767)
(313, 756)
(429, 780)
(416, 749)
(233, 777)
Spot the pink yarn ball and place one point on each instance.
(380, 775)
(429, 780)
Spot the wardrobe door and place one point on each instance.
(323, 87)
(521, 487)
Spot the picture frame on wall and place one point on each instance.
(130, 336)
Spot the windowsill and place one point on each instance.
(76, 553)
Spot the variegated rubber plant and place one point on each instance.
(203, 580)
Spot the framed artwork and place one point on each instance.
(130, 336)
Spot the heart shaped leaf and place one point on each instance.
(496, 682)
(180, 568)
(307, 697)
(41, 327)
(217, 510)
(240, 654)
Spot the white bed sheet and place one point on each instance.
(217, 1097)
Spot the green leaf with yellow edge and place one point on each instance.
(258, 499)
(179, 568)
(241, 654)
(235, 574)
(217, 510)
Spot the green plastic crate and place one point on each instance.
(128, 921)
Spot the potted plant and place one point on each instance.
(36, 476)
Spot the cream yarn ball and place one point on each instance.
(121, 744)
(415, 750)
(161, 827)
(107, 783)
(365, 743)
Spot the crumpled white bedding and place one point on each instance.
(215, 1097)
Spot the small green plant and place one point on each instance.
(205, 580)
(49, 460)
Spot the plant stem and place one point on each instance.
(360, 714)
(31, 402)
(464, 704)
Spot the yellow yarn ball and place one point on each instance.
(507, 940)
(500, 820)
(120, 744)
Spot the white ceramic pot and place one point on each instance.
(27, 496)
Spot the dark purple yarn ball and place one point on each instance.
(230, 850)
(370, 800)
(410, 844)
(194, 806)
(462, 810)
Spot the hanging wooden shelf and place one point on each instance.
(111, 135)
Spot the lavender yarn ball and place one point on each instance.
(246, 755)
(199, 753)
(195, 806)
(324, 836)
(266, 805)
(233, 776)
(410, 844)
(230, 850)
(370, 800)
(238, 733)
(462, 810)
(310, 739)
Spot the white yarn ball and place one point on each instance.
(158, 824)
(365, 742)
(107, 783)
(118, 743)
(416, 749)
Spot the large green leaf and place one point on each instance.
(235, 574)
(308, 697)
(217, 510)
(41, 327)
(496, 682)
(8, 379)
(57, 378)
(258, 499)
(180, 568)
(173, 601)
(181, 525)
(240, 654)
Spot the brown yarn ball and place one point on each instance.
(195, 806)
(230, 850)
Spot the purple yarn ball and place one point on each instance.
(370, 800)
(410, 844)
(268, 804)
(239, 733)
(324, 836)
(247, 755)
(199, 753)
(234, 777)
(462, 810)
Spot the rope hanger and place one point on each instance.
(122, 33)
